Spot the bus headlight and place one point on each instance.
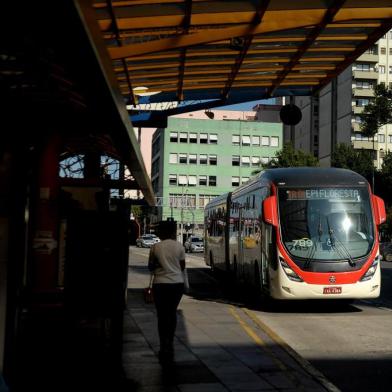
(371, 271)
(289, 272)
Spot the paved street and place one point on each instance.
(233, 343)
(220, 345)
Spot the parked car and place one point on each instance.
(147, 240)
(386, 251)
(194, 244)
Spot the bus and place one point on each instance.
(299, 233)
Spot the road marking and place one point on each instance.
(260, 342)
(306, 365)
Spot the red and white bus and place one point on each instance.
(299, 233)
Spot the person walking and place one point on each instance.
(167, 263)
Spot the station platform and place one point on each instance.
(219, 346)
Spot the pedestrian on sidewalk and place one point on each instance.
(167, 263)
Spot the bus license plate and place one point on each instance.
(332, 290)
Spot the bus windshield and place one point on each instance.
(326, 224)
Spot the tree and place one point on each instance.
(384, 179)
(288, 156)
(346, 157)
(377, 112)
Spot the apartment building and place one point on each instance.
(201, 155)
(332, 116)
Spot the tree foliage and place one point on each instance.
(377, 112)
(346, 157)
(288, 156)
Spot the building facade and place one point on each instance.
(333, 116)
(197, 158)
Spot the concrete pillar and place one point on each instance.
(46, 219)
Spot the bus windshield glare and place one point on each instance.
(326, 224)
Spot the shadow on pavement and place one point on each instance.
(220, 289)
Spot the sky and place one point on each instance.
(245, 106)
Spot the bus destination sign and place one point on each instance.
(323, 194)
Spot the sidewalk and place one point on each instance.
(218, 348)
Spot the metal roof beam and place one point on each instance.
(310, 39)
(119, 41)
(260, 11)
(375, 36)
(274, 21)
(186, 25)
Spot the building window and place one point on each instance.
(362, 67)
(173, 158)
(205, 199)
(211, 180)
(246, 140)
(155, 145)
(192, 159)
(203, 159)
(174, 137)
(244, 180)
(383, 50)
(213, 138)
(183, 158)
(235, 160)
(255, 140)
(183, 137)
(264, 160)
(235, 140)
(212, 160)
(381, 138)
(361, 102)
(172, 179)
(390, 139)
(274, 141)
(203, 138)
(381, 69)
(203, 180)
(245, 161)
(364, 84)
(265, 140)
(182, 180)
(390, 51)
(235, 181)
(390, 69)
(155, 167)
(193, 138)
(255, 161)
(192, 180)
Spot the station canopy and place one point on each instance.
(174, 56)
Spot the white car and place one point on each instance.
(194, 244)
(147, 240)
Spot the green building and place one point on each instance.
(195, 160)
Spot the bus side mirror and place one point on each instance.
(270, 211)
(380, 215)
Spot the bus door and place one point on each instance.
(240, 251)
(265, 246)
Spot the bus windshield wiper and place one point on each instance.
(332, 239)
(320, 228)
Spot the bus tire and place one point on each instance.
(235, 268)
(212, 265)
(258, 287)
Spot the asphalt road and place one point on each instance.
(350, 344)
